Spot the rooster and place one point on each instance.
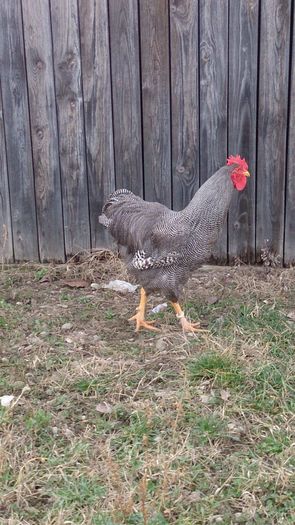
(164, 247)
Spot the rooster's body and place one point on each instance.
(164, 247)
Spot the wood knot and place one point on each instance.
(40, 65)
(40, 133)
(71, 60)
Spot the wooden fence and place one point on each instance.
(151, 95)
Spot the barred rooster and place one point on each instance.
(164, 247)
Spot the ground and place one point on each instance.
(112, 427)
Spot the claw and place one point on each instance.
(139, 316)
(141, 323)
(187, 326)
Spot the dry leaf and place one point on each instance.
(75, 283)
(104, 408)
(225, 395)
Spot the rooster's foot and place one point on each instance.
(189, 327)
(141, 323)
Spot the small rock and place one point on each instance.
(194, 496)
(103, 408)
(67, 432)
(66, 326)
(6, 400)
(241, 517)
(49, 391)
(291, 315)
(212, 300)
(54, 431)
(161, 345)
(206, 399)
(95, 286)
(18, 385)
(220, 320)
(225, 395)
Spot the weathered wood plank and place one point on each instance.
(125, 66)
(6, 241)
(213, 94)
(243, 57)
(38, 49)
(17, 131)
(272, 123)
(289, 249)
(184, 100)
(154, 32)
(67, 69)
(98, 110)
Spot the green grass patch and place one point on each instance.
(77, 491)
(222, 370)
(38, 421)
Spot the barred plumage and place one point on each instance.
(141, 261)
(164, 246)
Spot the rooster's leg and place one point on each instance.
(139, 316)
(187, 326)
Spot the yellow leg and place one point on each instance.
(139, 316)
(187, 326)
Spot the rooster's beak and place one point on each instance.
(247, 174)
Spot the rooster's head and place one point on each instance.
(240, 173)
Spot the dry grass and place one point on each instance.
(109, 427)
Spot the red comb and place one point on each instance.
(236, 159)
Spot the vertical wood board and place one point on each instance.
(98, 110)
(272, 124)
(184, 49)
(6, 241)
(243, 62)
(125, 67)
(213, 95)
(289, 248)
(38, 49)
(69, 99)
(17, 132)
(154, 31)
